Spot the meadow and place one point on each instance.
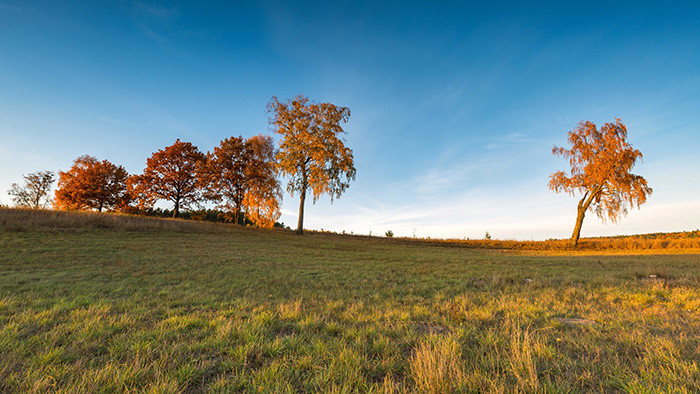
(105, 303)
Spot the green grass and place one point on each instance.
(222, 308)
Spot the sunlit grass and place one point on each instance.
(115, 308)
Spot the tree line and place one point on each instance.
(240, 176)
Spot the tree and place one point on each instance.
(311, 153)
(240, 175)
(224, 175)
(34, 194)
(263, 195)
(601, 161)
(171, 174)
(92, 184)
(138, 199)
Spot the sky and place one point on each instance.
(455, 106)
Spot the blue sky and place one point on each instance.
(455, 107)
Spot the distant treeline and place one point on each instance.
(239, 176)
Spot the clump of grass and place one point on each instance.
(436, 365)
(522, 360)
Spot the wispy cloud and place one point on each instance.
(154, 11)
(154, 21)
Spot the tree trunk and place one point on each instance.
(300, 224)
(100, 208)
(577, 229)
(176, 210)
(582, 208)
(239, 208)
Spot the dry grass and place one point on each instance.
(681, 242)
(436, 365)
(664, 243)
(522, 359)
(684, 242)
(16, 219)
(141, 307)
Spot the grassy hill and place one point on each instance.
(92, 303)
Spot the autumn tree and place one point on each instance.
(35, 191)
(240, 175)
(263, 195)
(601, 161)
(224, 175)
(171, 174)
(311, 153)
(92, 184)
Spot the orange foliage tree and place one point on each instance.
(263, 195)
(240, 175)
(171, 174)
(601, 161)
(311, 153)
(224, 175)
(92, 184)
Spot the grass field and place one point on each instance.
(135, 304)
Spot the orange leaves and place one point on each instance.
(241, 174)
(601, 161)
(92, 184)
(223, 175)
(172, 174)
(238, 174)
(311, 153)
(264, 195)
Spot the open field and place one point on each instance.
(109, 303)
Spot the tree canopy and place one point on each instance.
(35, 191)
(92, 184)
(311, 152)
(171, 174)
(240, 176)
(601, 161)
(264, 194)
(223, 175)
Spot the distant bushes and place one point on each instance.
(206, 215)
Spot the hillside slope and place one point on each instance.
(89, 306)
